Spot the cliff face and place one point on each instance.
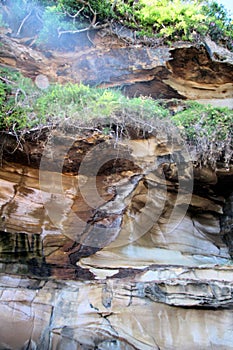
(112, 243)
(158, 310)
(197, 71)
(141, 197)
(116, 252)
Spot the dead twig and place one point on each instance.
(17, 94)
(23, 22)
(91, 27)
(88, 37)
(76, 15)
(19, 144)
(7, 81)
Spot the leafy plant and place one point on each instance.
(102, 8)
(53, 20)
(178, 19)
(79, 103)
(220, 23)
(17, 94)
(170, 20)
(23, 106)
(209, 128)
(201, 120)
(12, 116)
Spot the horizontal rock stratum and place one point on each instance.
(196, 71)
(114, 245)
(158, 309)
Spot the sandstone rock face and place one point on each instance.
(116, 244)
(199, 71)
(101, 251)
(227, 223)
(128, 313)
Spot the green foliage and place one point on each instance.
(210, 129)
(170, 20)
(63, 101)
(205, 121)
(178, 19)
(16, 96)
(79, 103)
(102, 8)
(129, 13)
(70, 15)
(220, 24)
(53, 21)
(23, 106)
(12, 116)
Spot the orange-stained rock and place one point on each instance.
(198, 71)
(115, 252)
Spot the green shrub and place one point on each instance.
(199, 120)
(23, 106)
(170, 20)
(17, 95)
(178, 19)
(12, 116)
(53, 20)
(220, 23)
(102, 8)
(62, 16)
(79, 103)
(64, 101)
(209, 129)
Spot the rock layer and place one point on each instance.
(116, 244)
(197, 71)
(132, 313)
(142, 205)
(113, 252)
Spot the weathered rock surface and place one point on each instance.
(138, 207)
(116, 245)
(131, 313)
(199, 71)
(102, 252)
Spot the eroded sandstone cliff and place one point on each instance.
(114, 246)
(200, 70)
(116, 243)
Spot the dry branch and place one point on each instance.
(23, 22)
(7, 81)
(90, 27)
(93, 25)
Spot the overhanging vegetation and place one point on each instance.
(24, 107)
(167, 20)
